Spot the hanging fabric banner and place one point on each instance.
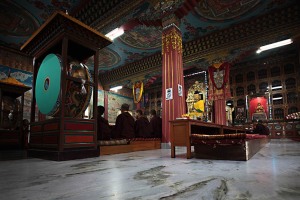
(219, 81)
(137, 91)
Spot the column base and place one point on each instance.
(165, 145)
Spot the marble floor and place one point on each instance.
(273, 173)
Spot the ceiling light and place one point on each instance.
(277, 98)
(116, 88)
(115, 33)
(276, 87)
(274, 45)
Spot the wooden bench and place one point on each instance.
(136, 144)
(228, 147)
(182, 129)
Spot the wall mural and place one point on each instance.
(23, 77)
(114, 105)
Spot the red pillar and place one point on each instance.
(105, 104)
(172, 76)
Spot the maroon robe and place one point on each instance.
(124, 127)
(104, 130)
(156, 127)
(141, 127)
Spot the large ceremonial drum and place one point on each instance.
(48, 87)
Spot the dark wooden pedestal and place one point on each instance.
(63, 140)
(238, 152)
(66, 136)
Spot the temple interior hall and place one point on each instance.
(150, 99)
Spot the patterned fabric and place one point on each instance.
(112, 142)
(224, 136)
(124, 141)
(255, 136)
(237, 138)
(145, 139)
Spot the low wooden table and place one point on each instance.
(182, 129)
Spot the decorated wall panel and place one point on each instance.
(114, 104)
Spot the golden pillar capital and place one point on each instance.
(171, 40)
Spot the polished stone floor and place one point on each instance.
(273, 173)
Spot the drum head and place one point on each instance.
(47, 87)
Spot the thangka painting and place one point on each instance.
(219, 81)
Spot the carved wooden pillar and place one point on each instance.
(173, 98)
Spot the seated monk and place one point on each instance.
(141, 125)
(104, 130)
(261, 129)
(155, 125)
(124, 127)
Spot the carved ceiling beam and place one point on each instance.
(250, 34)
(102, 14)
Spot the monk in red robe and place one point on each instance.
(124, 127)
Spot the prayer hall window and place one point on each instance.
(239, 91)
(289, 69)
(239, 78)
(278, 113)
(291, 97)
(292, 110)
(275, 71)
(240, 102)
(277, 99)
(276, 85)
(290, 83)
(251, 89)
(262, 74)
(263, 87)
(250, 76)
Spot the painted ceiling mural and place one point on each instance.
(142, 38)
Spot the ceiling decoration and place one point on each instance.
(224, 9)
(143, 37)
(209, 27)
(107, 57)
(156, 10)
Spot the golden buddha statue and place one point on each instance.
(259, 108)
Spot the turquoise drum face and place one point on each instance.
(47, 87)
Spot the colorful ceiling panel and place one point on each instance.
(141, 21)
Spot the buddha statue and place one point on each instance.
(259, 108)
